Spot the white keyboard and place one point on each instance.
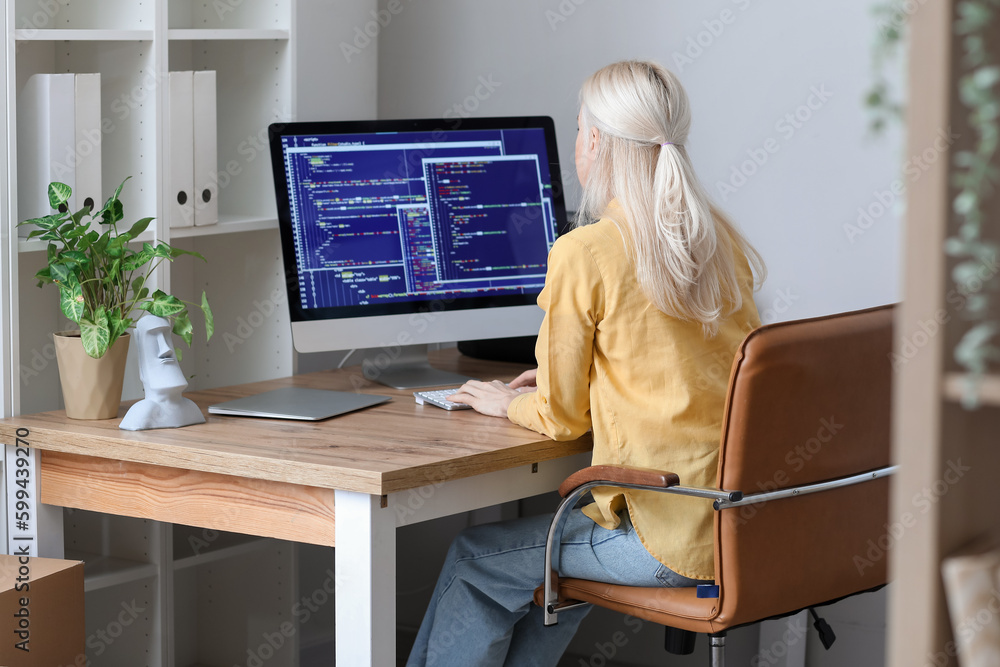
(439, 398)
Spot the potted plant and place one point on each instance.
(102, 283)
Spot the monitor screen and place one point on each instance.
(403, 216)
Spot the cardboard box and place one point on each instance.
(41, 612)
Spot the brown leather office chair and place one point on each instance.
(807, 419)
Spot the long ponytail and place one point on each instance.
(683, 247)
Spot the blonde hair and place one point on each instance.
(681, 244)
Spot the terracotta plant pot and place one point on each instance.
(92, 388)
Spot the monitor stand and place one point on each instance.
(407, 367)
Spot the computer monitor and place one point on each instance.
(400, 233)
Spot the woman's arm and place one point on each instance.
(573, 301)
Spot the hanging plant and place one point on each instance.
(974, 173)
(975, 176)
(883, 106)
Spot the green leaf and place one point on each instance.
(112, 213)
(71, 301)
(60, 272)
(117, 324)
(976, 304)
(110, 201)
(955, 247)
(44, 277)
(209, 318)
(965, 202)
(100, 244)
(973, 17)
(76, 256)
(32, 221)
(118, 190)
(972, 350)
(986, 77)
(113, 275)
(59, 194)
(115, 250)
(77, 218)
(139, 227)
(77, 232)
(163, 305)
(48, 222)
(177, 252)
(967, 273)
(182, 327)
(95, 334)
(134, 261)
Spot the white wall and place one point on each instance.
(330, 85)
(749, 74)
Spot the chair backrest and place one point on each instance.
(809, 401)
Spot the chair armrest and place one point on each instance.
(619, 475)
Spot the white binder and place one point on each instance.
(180, 122)
(46, 133)
(206, 186)
(87, 189)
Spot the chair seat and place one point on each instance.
(677, 607)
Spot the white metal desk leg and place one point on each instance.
(30, 528)
(365, 555)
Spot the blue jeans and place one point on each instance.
(481, 612)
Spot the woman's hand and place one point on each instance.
(525, 381)
(489, 398)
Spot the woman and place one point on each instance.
(643, 302)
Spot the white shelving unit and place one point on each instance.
(153, 600)
(251, 45)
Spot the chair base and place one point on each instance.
(717, 650)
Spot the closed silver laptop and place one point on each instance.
(297, 403)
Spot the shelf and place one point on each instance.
(37, 245)
(989, 388)
(226, 225)
(216, 34)
(70, 35)
(105, 571)
(227, 546)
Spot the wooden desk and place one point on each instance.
(347, 482)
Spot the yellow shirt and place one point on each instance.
(651, 387)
